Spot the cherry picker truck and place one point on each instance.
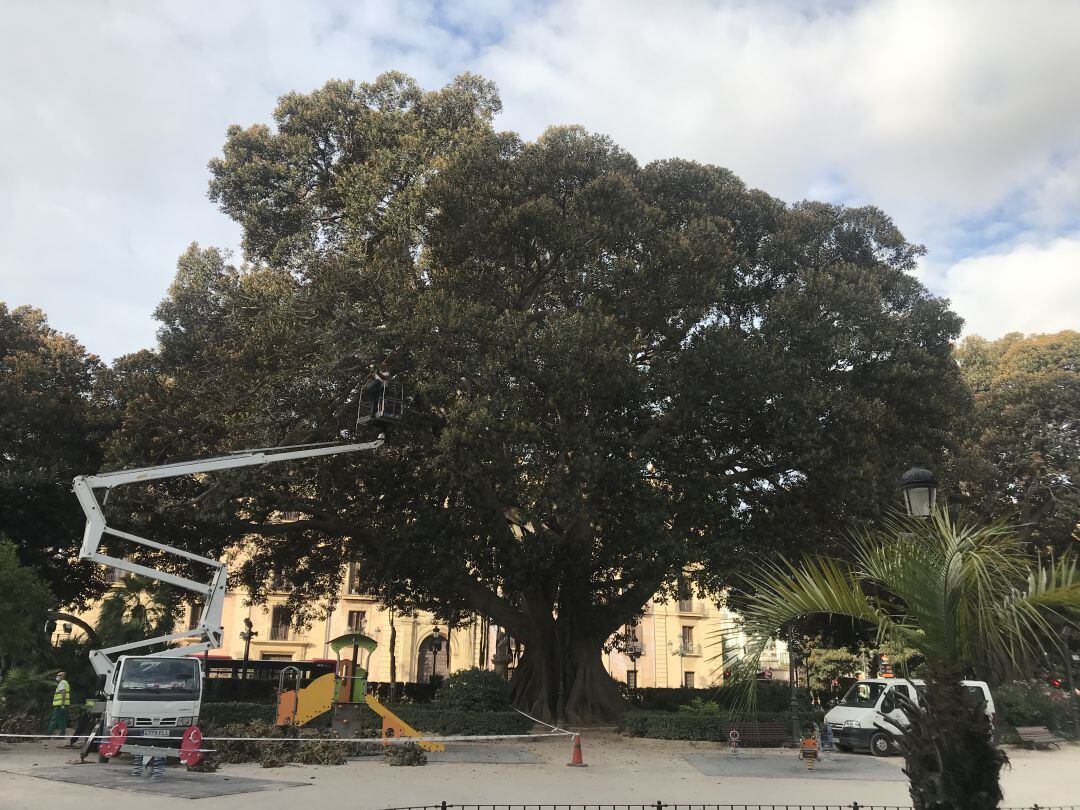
(150, 703)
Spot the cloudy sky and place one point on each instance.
(960, 119)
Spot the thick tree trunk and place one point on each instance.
(949, 755)
(561, 679)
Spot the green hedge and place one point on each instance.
(224, 714)
(1023, 703)
(771, 696)
(709, 727)
(681, 726)
(475, 690)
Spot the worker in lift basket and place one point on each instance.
(60, 702)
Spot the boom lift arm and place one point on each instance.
(209, 629)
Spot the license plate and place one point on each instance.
(156, 732)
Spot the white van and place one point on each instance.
(871, 703)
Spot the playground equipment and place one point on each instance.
(343, 693)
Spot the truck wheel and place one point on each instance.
(880, 745)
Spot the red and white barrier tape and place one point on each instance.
(389, 740)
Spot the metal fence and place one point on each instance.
(666, 806)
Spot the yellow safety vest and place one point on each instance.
(62, 695)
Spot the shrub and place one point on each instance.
(405, 692)
(1023, 703)
(475, 690)
(771, 696)
(708, 725)
(699, 706)
(25, 691)
(406, 754)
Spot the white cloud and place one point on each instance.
(945, 114)
(929, 109)
(1030, 288)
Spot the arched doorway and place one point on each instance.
(428, 657)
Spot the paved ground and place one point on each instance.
(502, 754)
(780, 764)
(621, 770)
(179, 784)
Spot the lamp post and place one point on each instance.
(436, 646)
(247, 634)
(919, 487)
(793, 706)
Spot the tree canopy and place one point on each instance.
(612, 371)
(51, 429)
(24, 608)
(1021, 460)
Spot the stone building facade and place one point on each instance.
(675, 642)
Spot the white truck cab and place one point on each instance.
(157, 698)
(868, 719)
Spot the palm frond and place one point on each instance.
(963, 595)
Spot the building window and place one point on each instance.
(352, 585)
(278, 582)
(194, 612)
(280, 621)
(686, 596)
(687, 640)
(688, 680)
(276, 656)
(357, 620)
(631, 679)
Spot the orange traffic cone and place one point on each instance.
(575, 760)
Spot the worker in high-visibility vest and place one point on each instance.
(61, 700)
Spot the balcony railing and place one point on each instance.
(691, 606)
(279, 632)
(689, 648)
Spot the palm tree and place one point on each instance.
(965, 598)
(137, 608)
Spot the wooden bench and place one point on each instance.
(755, 735)
(1037, 737)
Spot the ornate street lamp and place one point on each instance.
(247, 634)
(436, 646)
(920, 492)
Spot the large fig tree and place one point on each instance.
(614, 373)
